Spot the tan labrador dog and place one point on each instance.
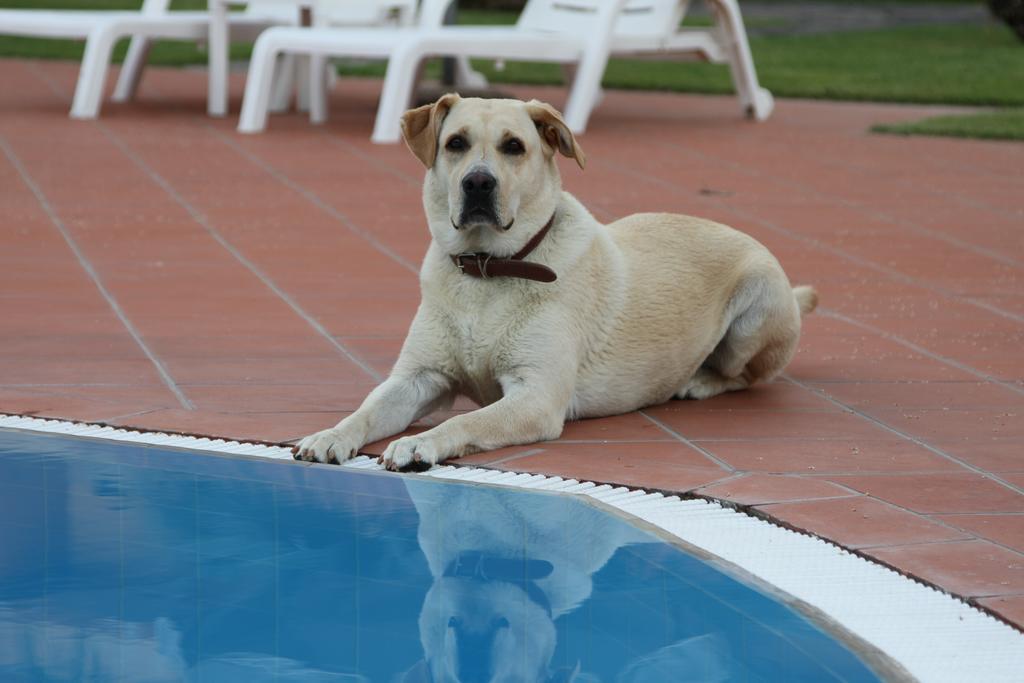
(540, 314)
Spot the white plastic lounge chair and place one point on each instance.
(334, 13)
(320, 44)
(579, 33)
(101, 29)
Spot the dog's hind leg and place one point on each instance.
(759, 341)
(708, 382)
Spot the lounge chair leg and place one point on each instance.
(756, 101)
(585, 91)
(93, 73)
(569, 75)
(217, 49)
(302, 78)
(284, 84)
(131, 70)
(399, 82)
(256, 102)
(468, 77)
(318, 89)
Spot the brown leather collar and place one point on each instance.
(483, 265)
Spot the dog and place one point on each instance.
(541, 314)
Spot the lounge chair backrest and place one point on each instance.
(261, 7)
(155, 6)
(431, 14)
(364, 12)
(654, 18)
(283, 11)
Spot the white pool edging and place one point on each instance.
(932, 635)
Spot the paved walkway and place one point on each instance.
(160, 271)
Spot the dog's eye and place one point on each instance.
(456, 143)
(501, 622)
(453, 622)
(513, 146)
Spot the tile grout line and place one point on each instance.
(766, 505)
(94, 276)
(977, 514)
(203, 222)
(821, 245)
(918, 544)
(926, 516)
(78, 385)
(860, 133)
(913, 439)
(110, 420)
(861, 169)
(859, 206)
(961, 199)
(930, 516)
(822, 439)
(338, 141)
(225, 383)
(868, 473)
(313, 199)
(829, 313)
(700, 449)
(507, 458)
(667, 439)
(934, 162)
(952, 362)
(307, 194)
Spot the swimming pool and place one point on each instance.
(123, 561)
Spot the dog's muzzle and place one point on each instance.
(478, 190)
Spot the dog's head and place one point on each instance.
(485, 633)
(492, 181)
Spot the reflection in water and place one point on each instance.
(100, 651)
(122, 562)
(505, 567)
(110, 650)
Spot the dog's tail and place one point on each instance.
(806, 298)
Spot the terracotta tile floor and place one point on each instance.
(160, 271)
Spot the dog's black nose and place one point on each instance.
(478, 185)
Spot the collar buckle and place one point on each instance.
(481, 259)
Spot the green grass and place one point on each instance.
(969, 65)
(974, 65)
(96, 4)
(1007, 124)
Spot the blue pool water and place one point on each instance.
(137, 563)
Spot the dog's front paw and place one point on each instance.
(401, 453)
(330, 445)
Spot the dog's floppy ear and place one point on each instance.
(553, 130)
(422, 126)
